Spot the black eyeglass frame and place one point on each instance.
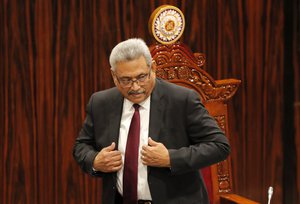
(128, 82)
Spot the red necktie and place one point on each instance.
(131, 159)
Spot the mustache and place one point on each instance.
(136, 92)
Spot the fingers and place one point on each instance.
(115, 166)
(155, 154)
(152, 142)
(109, 163)
(115, 156)
(111, 156)
(110, 147)
(109, 153)
(147, 154)
(150, 159)
(108, 159)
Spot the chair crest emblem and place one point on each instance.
(166, 24)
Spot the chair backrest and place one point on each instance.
(178, 64)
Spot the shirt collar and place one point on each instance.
(144, 104)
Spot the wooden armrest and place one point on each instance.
(235, 199)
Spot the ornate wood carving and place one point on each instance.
(224, 182)
(224, 177)
(221, 120)
(177, 62)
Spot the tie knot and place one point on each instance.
(136, 106)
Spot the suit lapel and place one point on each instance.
(115, 113)
(156, 107)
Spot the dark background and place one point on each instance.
(54, 55)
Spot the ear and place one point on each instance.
(153, 66)
(113, 76)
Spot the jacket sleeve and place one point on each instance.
(208, 145)
(84, 151)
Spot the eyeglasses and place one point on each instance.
(128, 82)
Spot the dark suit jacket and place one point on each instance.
(178, 120)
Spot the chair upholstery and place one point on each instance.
(178, 64)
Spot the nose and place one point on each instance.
(135, 85)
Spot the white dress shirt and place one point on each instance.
(127, 114)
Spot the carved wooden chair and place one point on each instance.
(178, 64)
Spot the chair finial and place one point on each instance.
(166, 24)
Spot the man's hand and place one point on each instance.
(108, 159)
(155, 154)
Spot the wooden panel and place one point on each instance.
(295, 40)
(235, 199)
(54, 54)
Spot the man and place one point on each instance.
(176, 135)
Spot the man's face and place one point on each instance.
(134, 79)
